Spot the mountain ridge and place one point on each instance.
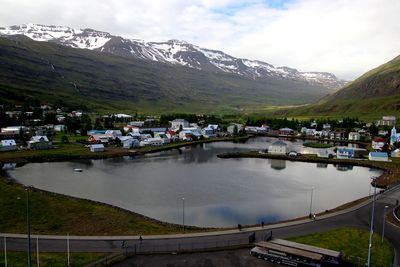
(373, 94)
(175, 52)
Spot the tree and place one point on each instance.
(64, 139)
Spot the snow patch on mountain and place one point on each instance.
(171, 52)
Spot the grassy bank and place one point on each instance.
(317, 145)
(20, 259)
(353, 243)
(52, 213)
(71, 151)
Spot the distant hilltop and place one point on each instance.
(170, 52)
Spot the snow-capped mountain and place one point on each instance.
(170, 52)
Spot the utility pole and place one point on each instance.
(371, 232)
(28, 225)
(384, 221)
(5, 251)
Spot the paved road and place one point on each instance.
(358, 217)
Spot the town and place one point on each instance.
(43, 127)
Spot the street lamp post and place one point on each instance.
(371, 232)
(183, 214)
(312, 191)
(384, 221)
(28, 225)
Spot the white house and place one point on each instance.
(186, 135)
(113, 134)
(8, 145)
(215, 127)
(278, 148)
(387, 121)
(39, 142)
(60, 128)
(208, 132)
(326, 126)
(378, 156)
(151, 142)
(97, 148)
(355, 136)
(137, 123)
(128, 141)
(378, 143)
(178, 123)
(237, 126)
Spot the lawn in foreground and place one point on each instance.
(353, 243)
(52, 213)
(20, 259)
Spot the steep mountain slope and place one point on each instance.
(171, 52)
(375, 93)
(82, 78)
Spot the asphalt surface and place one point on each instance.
(358, 217)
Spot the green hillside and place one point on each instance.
(91, 80)
(374, 94)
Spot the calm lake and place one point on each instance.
(217, 192)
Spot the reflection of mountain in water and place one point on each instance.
(277, 164)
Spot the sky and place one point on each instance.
(343, 37)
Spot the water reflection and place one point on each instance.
(218, 192)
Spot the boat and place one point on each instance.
(78, 170)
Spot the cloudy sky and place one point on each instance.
(344, 37)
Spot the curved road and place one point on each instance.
(358, 216)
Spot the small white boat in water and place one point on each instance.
(78, 170)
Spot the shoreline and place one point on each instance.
(387, 167)
(385, 180)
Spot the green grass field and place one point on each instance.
(57, 214)
(317, 145)
(353, 243)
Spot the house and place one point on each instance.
(326, 126)
(39, 142)
(92, 132)
(97, 148)
(151, 142)
(186, 135)
(308, 132)
(98, 138)
(344, 153)
(60, 128)
(171, 135)
(394, 136)
(8, 145)
(215, 127)
(113, 134)
(128, 141)
(355, 136)
(323, 153)
(278, 148)
(14, 129)
(378, 143)
(163, 136)
(378, 156)
(231, 128)
(286, 131)
(131, 128)
(179, 123)
(395, 153)
(339, 135)
(387, 121)
(257, 129)
(137, 123)
(208, 132)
